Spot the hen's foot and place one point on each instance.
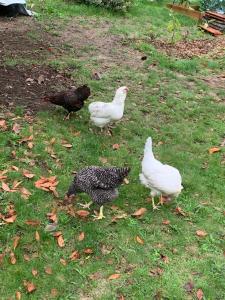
(100, 215)
(155, 207)
(161, 200)
(86, 205)
(67, 117)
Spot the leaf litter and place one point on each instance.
(47, 184)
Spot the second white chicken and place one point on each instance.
(163, 180)
(103, 113)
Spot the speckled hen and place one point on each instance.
(99, 183)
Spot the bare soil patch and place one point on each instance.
(216, 81)
(22, 39)
(20, 86)
(188, 49)
(94, 40)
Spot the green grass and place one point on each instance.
(169, 102)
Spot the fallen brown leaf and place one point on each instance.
(16, 241)
(114, 207)
(33, 222)
(30, 145)
(82, 213)
(76, 133)
(26, 257)
(54, 292)
(52, 141)
(164, 258)
(121, 297)
(5, 187)
(199, 294)
(47, 184)
(81, 237)
(12, 258)
(114, 276)
(106, 249)
(67, 145)
(37, 236)
(16, 184)
(52, 217)
(3, 177)
(30, 287)
(13, 153)
(48, 270)
(11, 219)
(16, 128)
(57, 233)
(59, 237)
(179, 211)
(95, 276)
(27, 174)
(165, 222)
(63, 261)
(139, 240)
(140, 212)
(88, 251)
(34, 272)
(74, 255)
(3, 125)
(214, 150)
(2, 255)
(201, 233)
(60, 241)
(156, 272)
(15, 168)
(26, 139)
(116, 146)
(25, 193)
(18, 295)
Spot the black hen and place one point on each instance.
(99, 183)
(71, 100)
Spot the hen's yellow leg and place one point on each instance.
(87, 205)
(100, 215)
(153, 204)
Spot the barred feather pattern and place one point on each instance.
(99, 183)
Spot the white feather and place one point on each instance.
(102, 113)
(160, 178)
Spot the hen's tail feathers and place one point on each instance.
(124, 171)
(148, 145)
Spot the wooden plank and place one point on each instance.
(211, 30)
(194, 14)
(215, 15)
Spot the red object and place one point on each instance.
(211, 30)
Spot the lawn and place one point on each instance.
(178, 100)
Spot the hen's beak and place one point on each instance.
(126, 89)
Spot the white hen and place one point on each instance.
(163, 180)
(104, 113)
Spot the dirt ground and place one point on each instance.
(188, 49)
(26, 49)
(24, 79)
